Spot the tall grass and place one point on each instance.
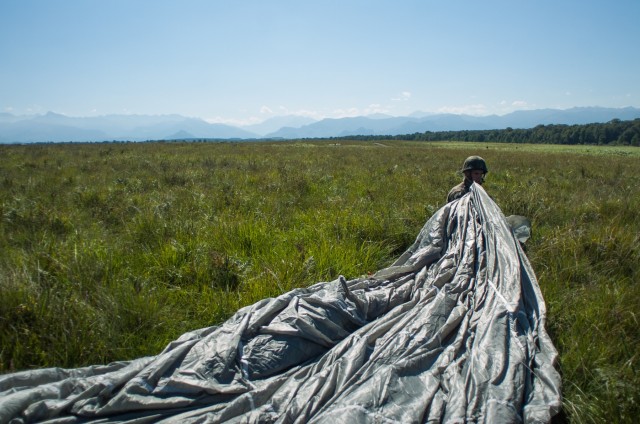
(110, 251)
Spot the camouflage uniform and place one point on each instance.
(459, 190)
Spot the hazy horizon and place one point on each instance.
(276, 117)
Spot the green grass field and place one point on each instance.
(110, 251)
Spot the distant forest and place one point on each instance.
(615, 132)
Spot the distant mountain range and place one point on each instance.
(57, 128)
(53, 127)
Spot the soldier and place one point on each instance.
(474, 170)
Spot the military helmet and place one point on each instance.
(474, 162)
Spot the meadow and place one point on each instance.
(110, 251)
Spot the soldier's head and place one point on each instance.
(474, 169)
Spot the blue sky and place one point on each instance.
(242, 62)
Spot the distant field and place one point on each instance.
(547, 148)
(110, 251)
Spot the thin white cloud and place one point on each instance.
(476, 109)
(265, 110)
(301, 112)
(236, 122)
(308, 113)
(504, 106)
(375, 108)
(404, 96)
(37, 109)
(345, 113)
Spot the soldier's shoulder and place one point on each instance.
(456, 192)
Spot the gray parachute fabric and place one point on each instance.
(453, 331)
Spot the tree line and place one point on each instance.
(614, 132)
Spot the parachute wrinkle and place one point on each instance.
(452, 331)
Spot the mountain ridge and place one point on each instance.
(55, 127)
(452, 122)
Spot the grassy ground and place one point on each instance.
(110, 251)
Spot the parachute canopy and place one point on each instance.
(453, 331)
